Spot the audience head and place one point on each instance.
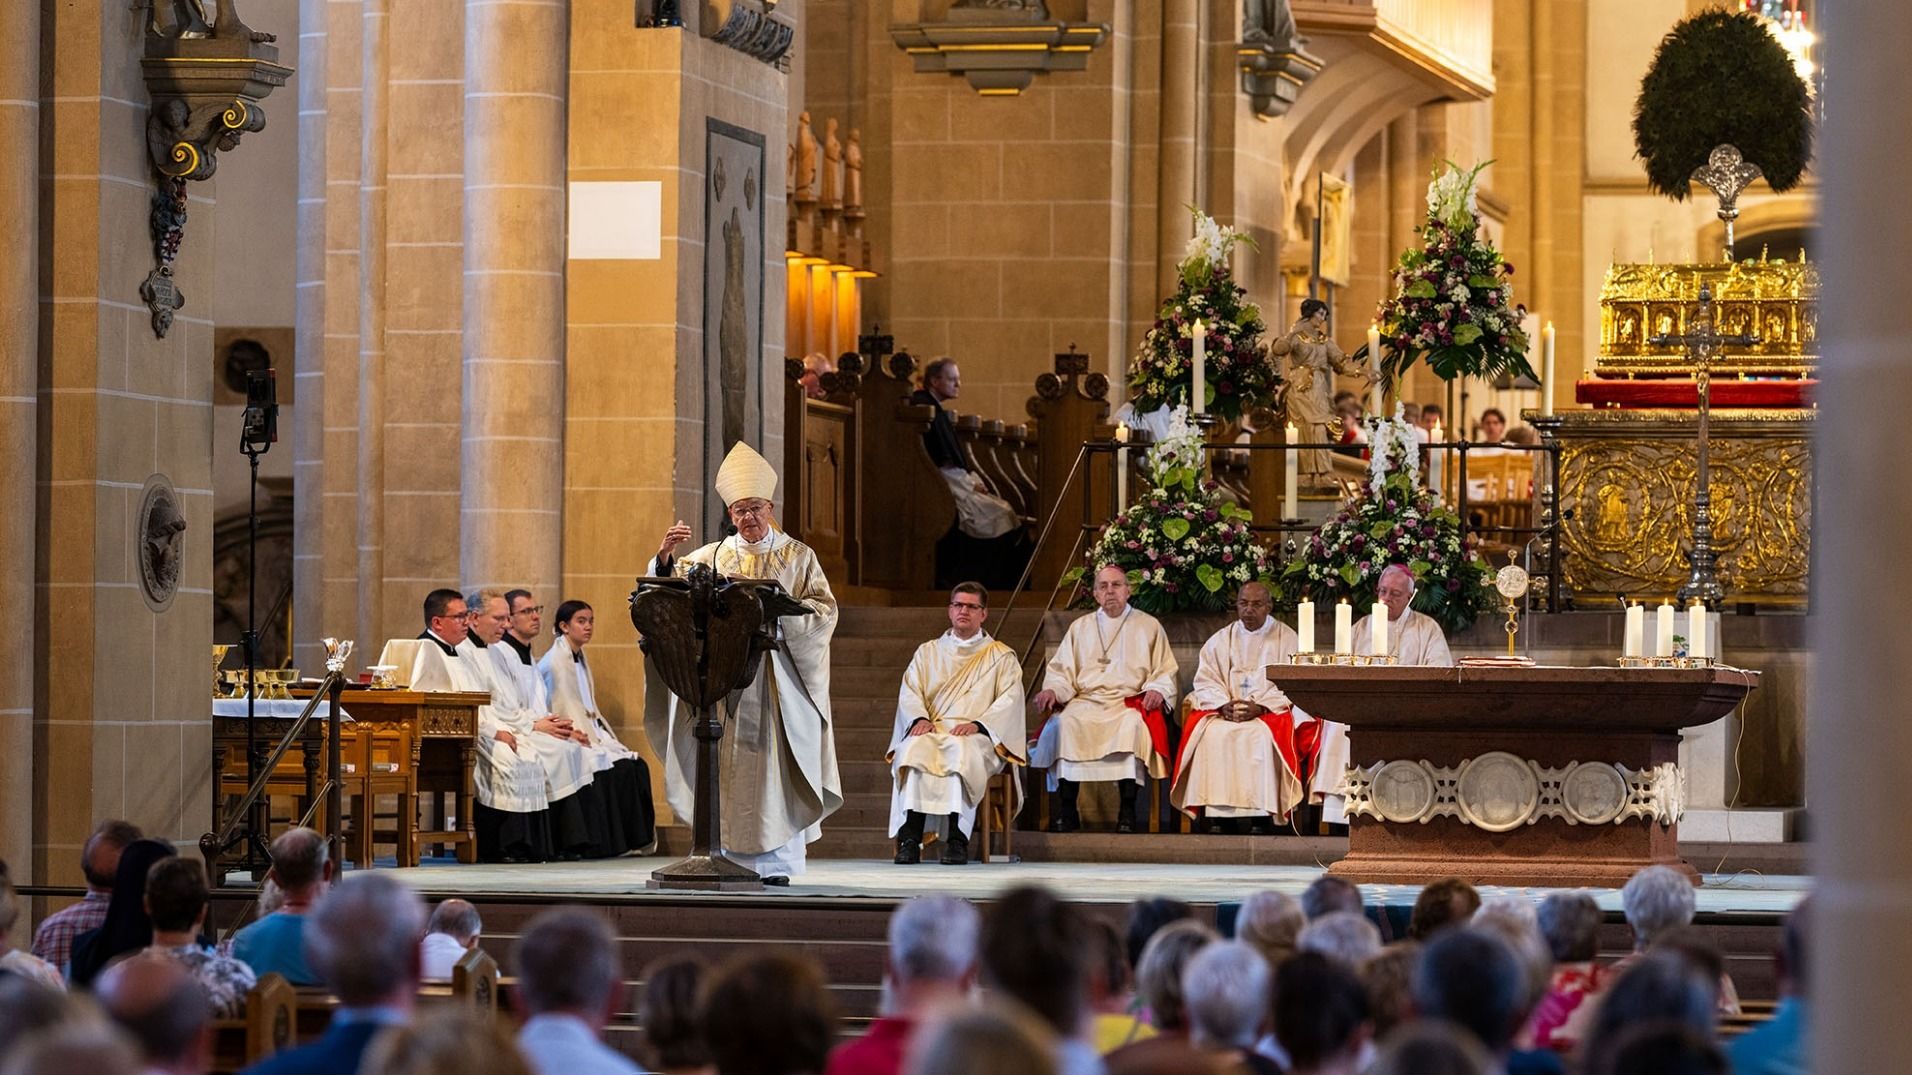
(1658, 985)
(446, 1039)
(943, 378)
(176, 894)
(1147, 916)
(1493, 425)
(301, 864)
(90, 1045)
(994, 1039)
(1656, 899)
(1345, 936)
(769, 1015)
(1472, 977)
(1271, 922)
(1388, 979)
(1035, 951)
(527, 616)
(1432, 1048)
(1570, 921)
(1512, 919)
(100, 857)
(447, 616)
(1447, 902)
(1321, 1011)
(1325, 895)
(31, 1008)
(1431, 416)
(673, 1038)
(968, 608)
(1159, 978)
(456, 919)
(933, 941)
(1109, 975)
(815, 365)
(362, 939)
(1225, 993)
(126, 928)
(568, 962)
(576, 621)
(161, 1005)
(1657, 1047)
(1693, 945)
(490, 615)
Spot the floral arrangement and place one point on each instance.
(1394, 520)
(1237, 376)
(1185, 549)
(1453, 303)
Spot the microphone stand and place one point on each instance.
(258, 819)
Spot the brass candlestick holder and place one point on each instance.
(1352, 660)
(1667, 662)
(218, 658)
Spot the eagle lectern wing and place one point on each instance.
(697, 633)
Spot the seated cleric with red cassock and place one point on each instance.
(1242, 751)
(1112, 680)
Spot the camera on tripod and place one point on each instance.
(259, 429)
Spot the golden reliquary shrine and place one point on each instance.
(1629, 458)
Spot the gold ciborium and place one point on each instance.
(218, 658)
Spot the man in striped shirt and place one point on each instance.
(99, 861)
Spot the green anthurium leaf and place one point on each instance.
(1175, 529)
(1351, 574)
(1136, 577)
(1209, 576)
(1420, 289)
(1482, 282)
(1466, 334)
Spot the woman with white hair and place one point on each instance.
(1225, 990)
(1344, 936)
(1159, 981)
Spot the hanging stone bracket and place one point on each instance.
(998, 58)
(1272, 76)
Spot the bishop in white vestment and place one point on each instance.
(1238, 755)
(1413, 638)
(564, 678)
(959, 721)
(778, 757)
(1113, 679)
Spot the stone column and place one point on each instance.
(19, 380)
(375, 60)
(308, 433)
(1862, 933)
(1176, 184)
(516, 67)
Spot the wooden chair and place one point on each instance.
(264, 1028)
(997, 817)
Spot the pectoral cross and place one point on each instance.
(1702, 341)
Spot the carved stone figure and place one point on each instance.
(832, 164)
(733, 334)
(806, 170)
(161, 552)
(1035, 9)
(853, 170)
(1268, 22)
(188, 22)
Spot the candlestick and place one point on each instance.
(1547, 370)
(1634, 644)
(1374, 359)
(1291, 477)
(1343, 628)
(1696, 630)
(1378, 629)
(1198, 391)
(1663, 643)
(1121, 468)
(1304, 626)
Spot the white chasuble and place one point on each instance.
(1240, 768)
(566, 765)
(1415, 640)
(1104, 661)
(566, 679)
(778, 754)
(949, 682)
(502, 778)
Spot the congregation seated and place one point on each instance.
(176, 899)
(99, 860)
(1327, 894)
(1034, 951)
(1570, 922)
(126, 927)
(570, 983)
(673, 1039)
(931, 963)
(1226, 993)
(1387, 977)
(990, 1038)
(1109, 687)
(1115, 1010)
(275, 944)
(1146, 917)
(1159, 985)
(1347, 937)
(1447, 902)
(18, 960)
(1657, 986)
(164, 1005)
(1779, 1045)
(452, 931)
(1321, 1016)
(1472, 977)
(1272, 923)
(1659, 901)
(445, 1040)
(769, 1015)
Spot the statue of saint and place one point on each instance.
(806, 160)
(1268, 22)
(832, 164)
(853, 170)
(1313, 360)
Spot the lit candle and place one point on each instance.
(1696, 630)
(1198, 392)
(1291, 477)
(1663, 643)
(1635, 643)
(1436, 462)
(1343, 627)
(1304, 626)
(1374, 360)
(1378, 629)
(1547, 370)
(1121, 468)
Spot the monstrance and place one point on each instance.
(1512, 582)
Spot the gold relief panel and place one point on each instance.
(1774, 300)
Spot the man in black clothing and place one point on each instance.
(988, 541)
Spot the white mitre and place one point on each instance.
(745, 475)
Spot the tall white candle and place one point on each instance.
(1547, 369)
(1121, 467)
(1343, 627)
(1663, 640)
(1291, 477)
(1378, 629)
(1198, 390)
(1436, 459)
(1304, 626)
(1696, 630)
(1374, 360)
(1635, 642)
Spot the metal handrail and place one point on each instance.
(215, 844)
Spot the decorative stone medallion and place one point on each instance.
(1593, 794)
(160, 536)
(1497, 791)
(1402, 791)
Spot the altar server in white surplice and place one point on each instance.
(1238, 754)
(778, 754)
(959, 721)
(509, 781)
(1413, 639)
(622, 776)
(1112, 680)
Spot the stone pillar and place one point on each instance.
(1862, 933)
(516, 68)
(1176, 186)
(19, 382)
(375, 62)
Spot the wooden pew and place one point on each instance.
(904, 505)
(474, 983)
(264, 1028)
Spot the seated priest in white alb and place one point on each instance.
(778, 755)
(1238, 754)
(1112, 680)
(959, 721)
(577, 810)
(511, 816)
(1413, 638)
(565, 678)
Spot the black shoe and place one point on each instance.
(956, 850)
(1125, 822)
(1261, 826)
(908, 852)
(1063, 824)
(1129, 791)
(779, 880)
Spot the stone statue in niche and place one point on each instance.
(187, 22)
(853, 170)
(832, 164)
(1034, 9)
(162, 528)
(806, 156)
(1268, 22)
